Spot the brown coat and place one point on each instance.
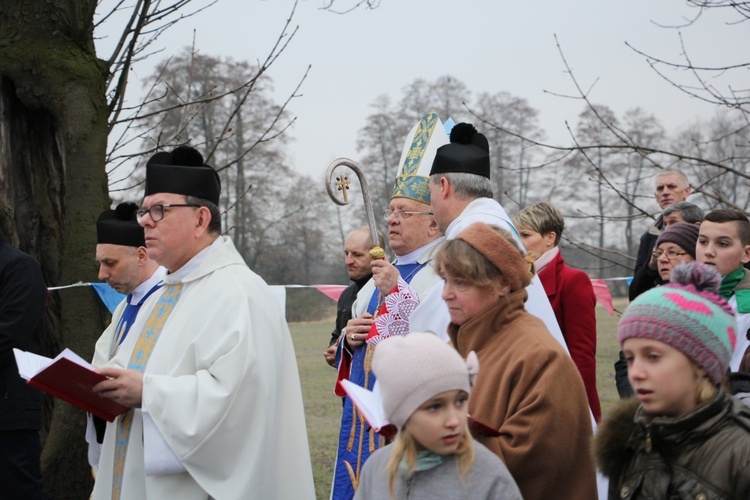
(530, 390)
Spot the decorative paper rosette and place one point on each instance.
(398, 308)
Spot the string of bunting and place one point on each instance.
(111, 298)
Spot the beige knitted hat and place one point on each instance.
(413, 368)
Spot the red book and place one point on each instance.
(69, 378)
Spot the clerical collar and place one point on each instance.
(413, 257)
(141, 290)
(193, 263)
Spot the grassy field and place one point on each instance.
(323, 408)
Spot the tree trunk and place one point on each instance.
(53, 135)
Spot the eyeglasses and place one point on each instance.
(401, 214)
(157, 211)
(671, 254)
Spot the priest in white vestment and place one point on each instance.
(209, 372)
(125, 266)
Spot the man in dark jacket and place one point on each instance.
(357, 260)
(23, 297)
(671, 186)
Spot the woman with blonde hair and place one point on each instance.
(529, 389)
(569, 290)
(425, 386)
(682, 436)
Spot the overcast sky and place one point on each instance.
(489, 45)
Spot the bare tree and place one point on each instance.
(724, 141)
(59, 101)
(717, 160)
(513, 158)
(382, 138)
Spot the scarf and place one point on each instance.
(426, 460)
(728, 288)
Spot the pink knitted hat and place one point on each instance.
(687, 314)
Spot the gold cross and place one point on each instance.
(343, 185)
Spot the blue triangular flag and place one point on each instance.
(448, 126)
(110, 297)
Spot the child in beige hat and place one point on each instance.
(425, 386)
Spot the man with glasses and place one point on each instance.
(210, 376)
(383, 304)
(125, 266)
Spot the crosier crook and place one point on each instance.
(341, 184)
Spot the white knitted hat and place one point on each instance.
(413, 368)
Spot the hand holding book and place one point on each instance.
(70, 378)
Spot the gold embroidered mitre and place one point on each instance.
(412, 179)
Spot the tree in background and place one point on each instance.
(60, 101)
(716, 159)
(513, 159)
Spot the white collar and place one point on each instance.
(193, 263)
(142, 289)
(413, 257)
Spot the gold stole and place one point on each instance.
(138, 361)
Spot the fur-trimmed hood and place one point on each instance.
(610, 444)
(703, 454)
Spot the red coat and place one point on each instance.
(572, 298)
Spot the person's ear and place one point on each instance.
(141, 254)
(204, 218)
(502, 289)
(550, 238)
(445, 188)
(746, 254)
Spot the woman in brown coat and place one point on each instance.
(529, 389)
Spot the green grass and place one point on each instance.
(323, 408)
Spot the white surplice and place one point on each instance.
(222, 390)
(107, 346)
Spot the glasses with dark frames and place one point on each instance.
(157, 211)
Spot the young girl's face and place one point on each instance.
(464, 299)
(664, 379)
(440, 422)
(719, 245)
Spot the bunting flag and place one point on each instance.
(601, 291)
(331, 291)
(111, 298)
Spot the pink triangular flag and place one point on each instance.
(601, 291)
(332, 291)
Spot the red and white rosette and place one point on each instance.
(393, 318)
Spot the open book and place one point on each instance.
(68, 377)
(370, 404)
